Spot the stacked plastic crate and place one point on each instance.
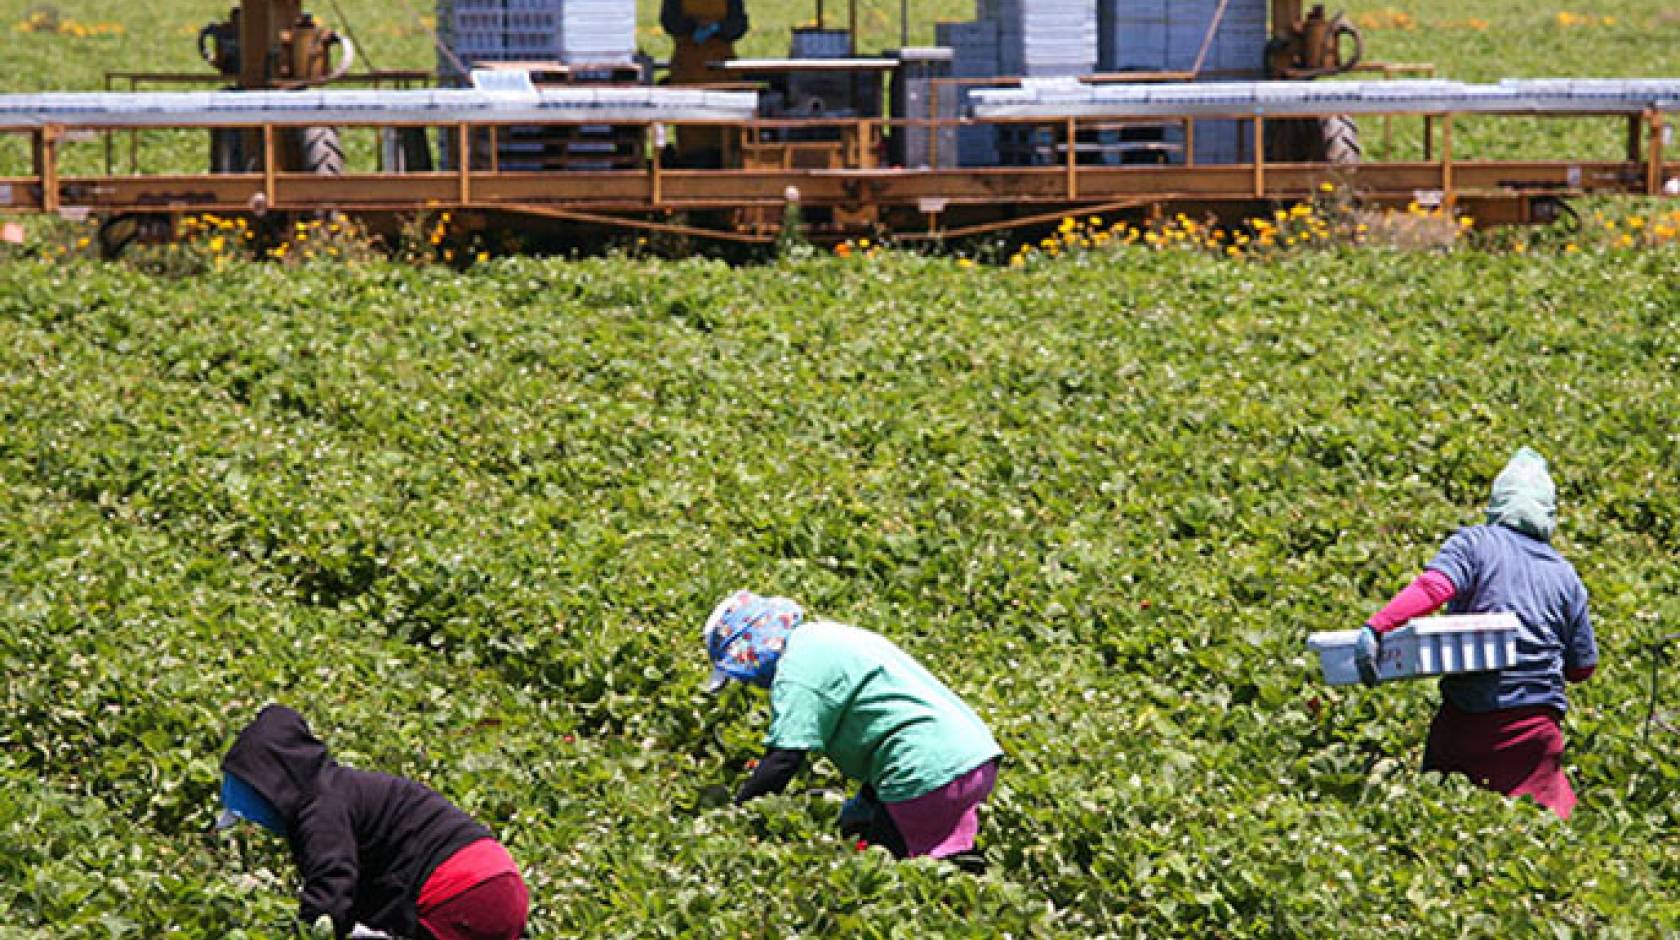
(838, 94)
(920, 86)
(974, 55)
(576, 32)
(1168, 35)
(471, 31)
(1044, 38)
(1018, 38)
(595, 39)
(591, 32)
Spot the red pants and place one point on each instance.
(1516, 751)
(491, 910)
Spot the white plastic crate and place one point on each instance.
(1427, 646)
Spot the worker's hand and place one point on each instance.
(707, 32)
(1365, 651)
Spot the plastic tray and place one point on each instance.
(1427, 646)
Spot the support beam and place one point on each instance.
(271, 198)
(1654, 163)
(1072, 159)
(46, 165)
(463, 163)
(656, 166)
(1448, 197)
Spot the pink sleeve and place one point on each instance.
(1424, 595)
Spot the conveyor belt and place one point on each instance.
(1063, 98)
(428, 106)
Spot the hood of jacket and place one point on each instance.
(1524, 498)
(280, 758)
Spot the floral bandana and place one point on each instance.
(745, 636)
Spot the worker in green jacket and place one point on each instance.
(925, 760)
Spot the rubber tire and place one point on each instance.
(319, 150)
(1339, 139)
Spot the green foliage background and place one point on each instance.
(469, 523)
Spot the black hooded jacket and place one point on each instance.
(364, 843)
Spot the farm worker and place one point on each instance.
(925, 761)
(384, 852)
(705, 32)
(1503, 729)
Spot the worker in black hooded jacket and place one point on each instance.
(385, 852)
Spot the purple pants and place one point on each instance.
(945, 821)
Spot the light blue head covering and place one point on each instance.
(1524, 497)
(745, 637)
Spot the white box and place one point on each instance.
(1427, 646)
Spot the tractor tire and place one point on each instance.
(319, 151)
(1339, 136)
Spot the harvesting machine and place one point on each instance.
(543, 118)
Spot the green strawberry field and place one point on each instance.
(470, 521)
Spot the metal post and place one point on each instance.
(46, 165)
(110, 135)
(1428, 137)
(495, 148)
(463, 146)
(1072, 159)
(271, 198)
(1189, 141)
(1447, 197)
(851, 27)
(133, 137)
(1259, 157)
(656, 165)
(937, 127)
(1635, 126)
(1654, 166)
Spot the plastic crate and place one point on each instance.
(1427, 646)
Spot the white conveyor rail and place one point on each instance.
(1069, 98)
(427, 106)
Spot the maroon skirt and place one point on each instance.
(1514, 751)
